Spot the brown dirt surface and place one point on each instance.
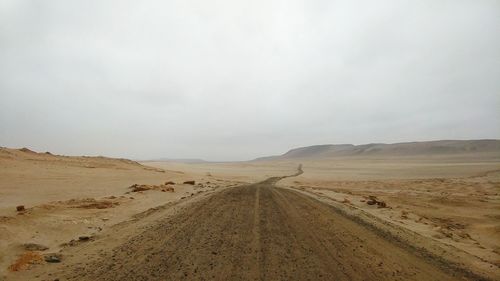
(259, 232)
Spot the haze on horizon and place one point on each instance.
(235, 80)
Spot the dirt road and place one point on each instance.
(258, 232)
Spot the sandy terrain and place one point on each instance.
(440, 214)
(243, 172)
(68, 197)
(257, 232)
(451, 200)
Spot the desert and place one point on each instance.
(437, 211)
(250, 140)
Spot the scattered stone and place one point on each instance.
(169, 182)
(374, 201)
(20, 208)
(91, 203)
(139, 187)
(71, 243)
(34, 247)
(404, 214)
(84, 238)
(169, 189)
(190, 182)
(382, 204)
(143, 187)
(53, 258)
(81, 239)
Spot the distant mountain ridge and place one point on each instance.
(396, 149)
(177, 160)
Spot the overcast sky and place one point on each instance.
(234, 80)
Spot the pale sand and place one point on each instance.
(453, 200)
(63, 196)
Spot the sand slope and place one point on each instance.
(67, 197)
(30, 178)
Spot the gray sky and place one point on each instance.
(234, 80)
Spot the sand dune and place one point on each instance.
(30, 178)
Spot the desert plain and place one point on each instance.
(413, 211)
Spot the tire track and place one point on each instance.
(256, 232)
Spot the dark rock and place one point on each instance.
(373, 200)
(34, 247)
(139, 187)
(84, 238)
(53, 258)
(20, 208)
(190, 182)
(382, 204)
(169, 182)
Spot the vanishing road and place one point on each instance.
(260, 232)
